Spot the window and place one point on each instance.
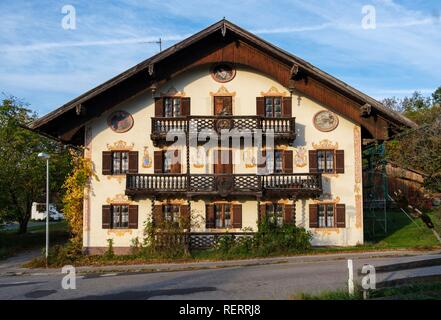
(273, 107)
(172, 107)
(326, 216)
(325, 161)
(274, 212)
(274, 160)
(120, 216)
(120, 162)
(172, 213)
(223, 215)
(168, 160)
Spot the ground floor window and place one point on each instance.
(172, 213)
(223, 215)
(120, 216)
(274, 213)
(326, 216)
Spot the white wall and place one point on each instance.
(247, 85)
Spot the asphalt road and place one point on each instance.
(271, 281)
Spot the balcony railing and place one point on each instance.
(282, 128)
(224, 184)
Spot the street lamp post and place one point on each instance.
(43, 155)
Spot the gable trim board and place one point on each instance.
(209, 46)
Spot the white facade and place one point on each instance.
(245, 87)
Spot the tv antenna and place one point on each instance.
(159, 42)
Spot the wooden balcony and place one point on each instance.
(288, 185)
(282, 128)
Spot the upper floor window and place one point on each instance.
(274, 161)
(172, 107)
(120, 162)
(120, 216)
(167, 161)
(273, 107)
(325, 161)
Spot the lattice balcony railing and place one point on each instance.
(223, 184)
(280, 127)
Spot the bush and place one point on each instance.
(269, 240)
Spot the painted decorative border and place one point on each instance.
(326, 201)
(119, 199)
(173, 92)
(120, 146)
(358, 179)
(223, 92)
(321, 129)
(273, 92)
(325, 145)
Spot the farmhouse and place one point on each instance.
(222, 129)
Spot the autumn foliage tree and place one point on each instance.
(73, 198)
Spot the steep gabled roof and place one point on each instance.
(144, 74)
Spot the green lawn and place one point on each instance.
(12, 243)
(403, 233)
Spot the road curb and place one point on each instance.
(208, 265)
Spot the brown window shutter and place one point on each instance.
(185, 106)
(133, 162)
(185, 216)
(262, 212)
(237, 216)
(313, 216)
(210, 218)
(159, 107)
(288, 161)
(158, 159)
(107, 162)
(287, 107)
(313, 164)
(341, 215)
(289, 214)
(106, 216)
(340, 161)
(133, 217)
(260, 106)
(176, 167)
(157, 216)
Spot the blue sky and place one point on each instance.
(46, 65)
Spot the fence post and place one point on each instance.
(350, 277)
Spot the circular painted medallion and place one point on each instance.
(325, 121)
(223, 72)
(120, 121)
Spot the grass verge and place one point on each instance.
(12, 243)
(426, 291)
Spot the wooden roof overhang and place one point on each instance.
(222, 42)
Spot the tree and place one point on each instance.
(420, 148)
(23, 174)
